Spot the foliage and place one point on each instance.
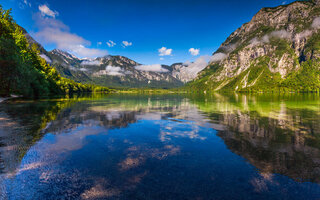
(259, 78)
(24, 72)
(306, 79)
(151, 91)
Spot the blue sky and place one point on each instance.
(140, 28)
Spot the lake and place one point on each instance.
(134, 146)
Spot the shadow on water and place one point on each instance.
(125, 146)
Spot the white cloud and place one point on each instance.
(161, 58)
(265, 39)
(112, 71)
(99, 43)
(258, 41)
(194, 51)
(218, 57)
(303, 34)
(46, 11)
(163, 51)
(27, 3)
(316, 23)
(307, 33)
(255, 41)
(126, 43)
(229, 48)
(110, 43)
(90, 62)
(77, 69)
(53, 31)
(23, 4)
(282, 34)
(193, 68)
(83, 51)
(151, 68)
(46, 58)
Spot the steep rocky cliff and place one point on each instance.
(116, 71)
(111, 71)
(279, 49)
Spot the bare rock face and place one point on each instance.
(112, 71)
(273, 44)
(285, 65)
(183, 72)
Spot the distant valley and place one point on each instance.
(277, 51)
(115, 71)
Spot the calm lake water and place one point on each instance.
(161, 147)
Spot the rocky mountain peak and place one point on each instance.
(111, 71)
(274, 44)
(64, 54)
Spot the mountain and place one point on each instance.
(23, 71)
(278, 50)
(115, 71)
(111, 71)
(182, 72)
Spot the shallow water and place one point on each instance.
(161, 147)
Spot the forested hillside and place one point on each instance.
(24, 72)
(277, 51)
(111, 71)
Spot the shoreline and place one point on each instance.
(2, 99)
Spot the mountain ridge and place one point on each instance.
(111, 70)
(23, 72)
(72, 67)
(276, 51)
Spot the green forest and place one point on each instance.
(24, 72)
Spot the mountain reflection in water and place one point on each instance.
(161, 147)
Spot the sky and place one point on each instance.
(146, 31)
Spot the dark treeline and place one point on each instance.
(24, 72)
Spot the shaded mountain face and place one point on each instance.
(114, 71)
(111, 71)
(119, 71)
(278, 48)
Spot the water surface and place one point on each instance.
(161, 147)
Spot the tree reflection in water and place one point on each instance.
(162, 147)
